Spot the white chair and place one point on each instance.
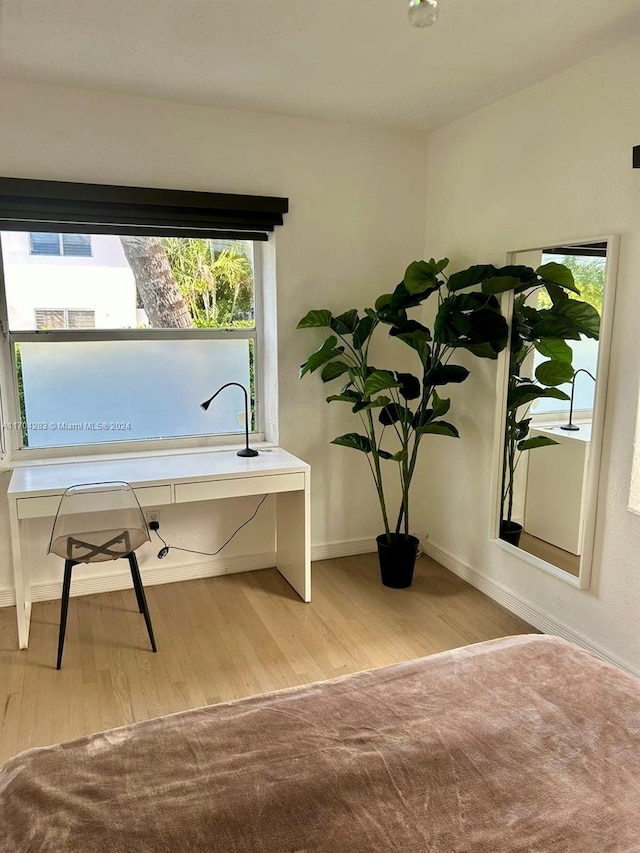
(96, 522)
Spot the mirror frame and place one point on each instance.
(583, 580)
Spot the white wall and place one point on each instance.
(549, 164)
(356, 220)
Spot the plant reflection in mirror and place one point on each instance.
(547, 330)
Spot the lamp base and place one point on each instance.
(249, 451)
(571, 427)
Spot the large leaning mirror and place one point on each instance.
(551, 392)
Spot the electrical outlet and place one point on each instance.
(154, 515)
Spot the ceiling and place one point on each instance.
(334, 59)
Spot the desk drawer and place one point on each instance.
(238, 487)
(47, 507)
(153, 495)
(38, 507)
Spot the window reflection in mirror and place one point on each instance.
(547, 452)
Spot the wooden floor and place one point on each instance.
(551, 553)
(222, 638)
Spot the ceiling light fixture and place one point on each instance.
(423, 13)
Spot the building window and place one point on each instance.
(64, 318)
(70, 245)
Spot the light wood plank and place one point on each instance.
(225, 637)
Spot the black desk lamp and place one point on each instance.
(571, 426)
(246, 450)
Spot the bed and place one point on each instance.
(519, 744)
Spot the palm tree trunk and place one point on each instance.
(156, 286)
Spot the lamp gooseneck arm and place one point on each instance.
(571, 425)
(247, 450)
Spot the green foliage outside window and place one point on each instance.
(217, 285)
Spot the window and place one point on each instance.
(169, 310)
(71, 245)
(172, 319)
(588, 265)
(64, 319)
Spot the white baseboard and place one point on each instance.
(162, 573)
(347, 548)
(542, 621)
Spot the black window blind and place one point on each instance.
(73, 208)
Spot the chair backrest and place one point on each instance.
(97, 522)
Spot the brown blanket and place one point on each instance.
(523, 744)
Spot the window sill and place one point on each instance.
(256, 440)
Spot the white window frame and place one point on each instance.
(264, 338)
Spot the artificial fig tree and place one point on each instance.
(395, 409)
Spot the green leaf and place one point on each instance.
(355, 441)
(558, 274)
(527, 392)
(327, 352)
(470, 277)
(420, 277)
(554, 373)
(439, 428)
(379, 380)
(314, 319)
(556, 293)
(384, 454)
(409, 385)
(440, 406)
(554, 348)
(363, 331)
(522, 428)
(383, 301)
(482, 350)
(500, 284)
(401, 455)
(471, 320)
(568, 319)
(392, 413)
(401, 298)
(392, 315)
(333, 370)
(345, 324)
(378, 403)
(443, 374)
(537, 441)
(584, 317)
(416, 336)
(346, 397)
(525, 275)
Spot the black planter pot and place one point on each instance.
(510, 531)
(397, 559)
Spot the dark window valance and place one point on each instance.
(586, 250)
(30, 205)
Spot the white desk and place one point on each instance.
(556, 496)
(35, 490)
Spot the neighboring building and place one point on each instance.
(60, 281)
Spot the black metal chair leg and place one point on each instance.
(64, 608)
(142, 599)
(137, 582)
